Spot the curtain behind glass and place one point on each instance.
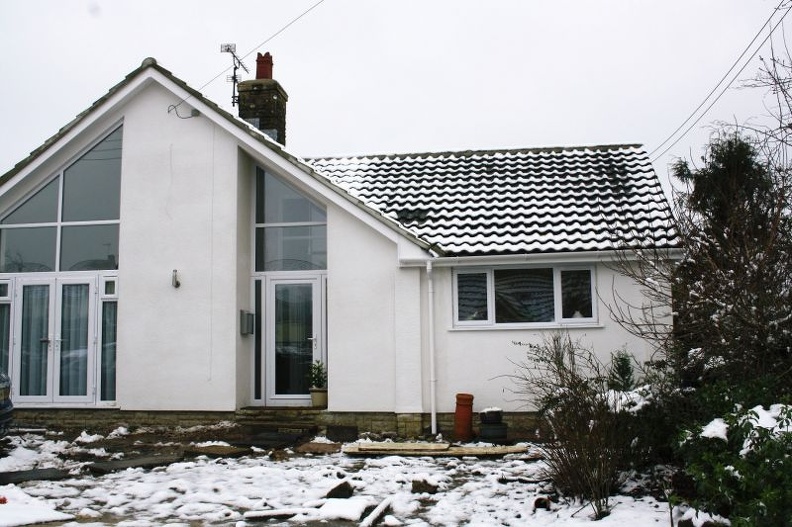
(524, 295)
(108, 373)
(74, 340)
(34, 341)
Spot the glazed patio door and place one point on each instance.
(55, 340)
(294, 338)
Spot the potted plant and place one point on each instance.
(317, 379)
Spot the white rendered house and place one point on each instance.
(160, 254)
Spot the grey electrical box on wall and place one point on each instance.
(247, 323)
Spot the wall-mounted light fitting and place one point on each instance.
(175, 279)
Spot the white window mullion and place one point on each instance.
(491, 297)
(558, 310)
(59, 228)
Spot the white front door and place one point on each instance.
(54, 343)
(294, 338)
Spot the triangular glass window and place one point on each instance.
(278, 202)
(92, 185)
(78, 209)
(42, 207)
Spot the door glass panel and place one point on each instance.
(294, 334)
(5, 336)
(41, 207)
(34, 341)
(74, 340)
(108, 372)
(27, 250)
(258, 357)
(91, 186)
(89, 248)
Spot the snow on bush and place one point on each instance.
(777, 420)
(716, 429)
(631, 401)
(742, 465)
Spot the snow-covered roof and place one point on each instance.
(497, 202)
(493, 202)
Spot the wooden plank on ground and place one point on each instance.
(217, 451)
(277, 514)
(318, 448)
(452, 451)
(106, 467)
(382, 446)
(38, 474)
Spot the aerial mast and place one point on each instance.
(233, 79)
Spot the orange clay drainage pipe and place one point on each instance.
(463, 417)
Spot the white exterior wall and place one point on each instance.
(479, 361)
(373, 316)
(186, 204)
(244, 247)
(378, 338)
(178, 211)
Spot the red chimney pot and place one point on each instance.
(264, 66)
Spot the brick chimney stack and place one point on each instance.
(264, 66)
(262, 102)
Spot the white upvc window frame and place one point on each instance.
(558, 318)
(105, 278)
(60, 224)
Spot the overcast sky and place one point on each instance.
(368, 76)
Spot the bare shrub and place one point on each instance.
(590, 435)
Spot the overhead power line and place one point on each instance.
(720, 82)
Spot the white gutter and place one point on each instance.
(432, 373)
(539, 258)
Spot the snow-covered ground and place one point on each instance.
(233, 491)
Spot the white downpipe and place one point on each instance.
(432, 374)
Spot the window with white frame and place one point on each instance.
(71, 223)
(495, 296)
(5, 324)
(291, 230)
(108, 331)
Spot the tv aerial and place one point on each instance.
(233, 79)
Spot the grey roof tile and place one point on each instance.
(514, 201)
